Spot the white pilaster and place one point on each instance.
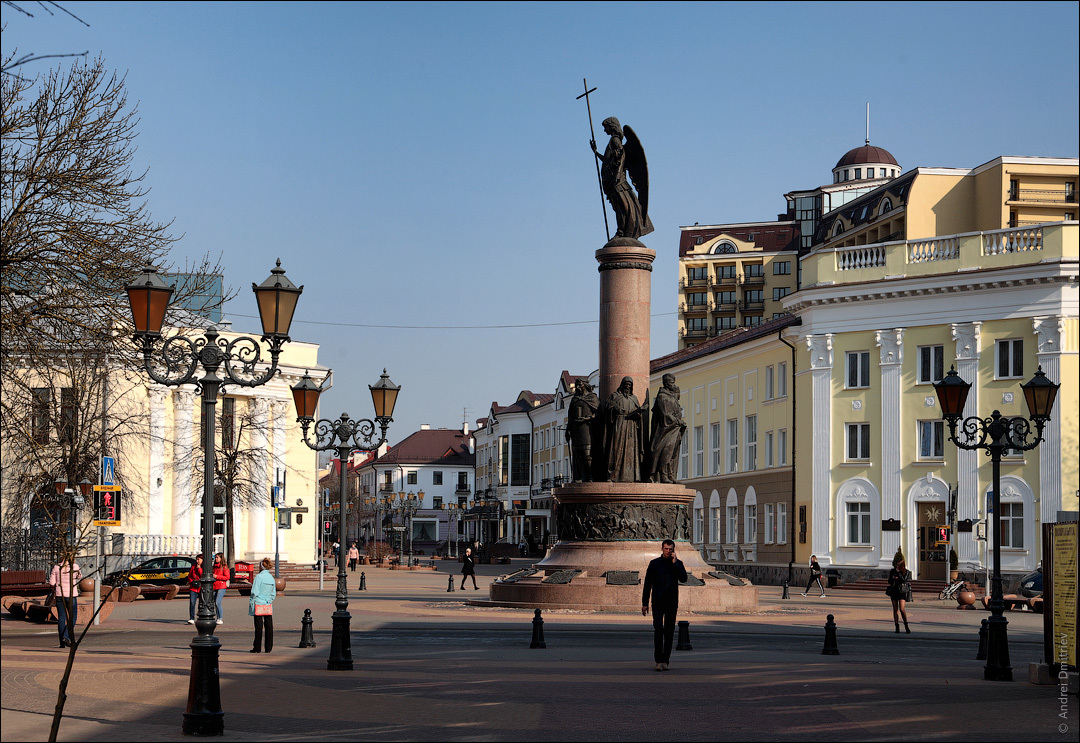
(257, 515)
(968, 502)
(156, 486)
(891, 345)
(1049, 333)
(821, 363)
(184, 519)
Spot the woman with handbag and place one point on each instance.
(64, 581)
(261, 606)
(899, 591)
(354, 557)
(815, 576)
(194, 576)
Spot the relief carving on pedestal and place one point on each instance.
(606, 522)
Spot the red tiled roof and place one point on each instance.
(727, 340)
(431, 446)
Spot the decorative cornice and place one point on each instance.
(968, 338)
(820, 348)
(614, 265)
(1049, 331)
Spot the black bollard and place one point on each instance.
(830, 638)
(983, 632)
(307, 635)
(785, 596)
(363, 581)
(684, 636)
(538, 631)
(450, 584)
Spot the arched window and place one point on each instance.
(750, 519)
(699, 519)
(838, 228)
(716, 517)
(886, 206)
(724, 246)
(731, 533)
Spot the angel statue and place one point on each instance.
(618, 161)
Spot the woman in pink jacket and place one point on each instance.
(64, 580)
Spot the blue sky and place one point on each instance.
(428, 164)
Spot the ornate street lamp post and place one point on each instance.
(224, 362)
(996, 435)
(344, 436)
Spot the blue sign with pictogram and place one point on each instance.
(108, 470)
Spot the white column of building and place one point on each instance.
(1050, 332)
(891, 343)
(821, 363)
(156, 486)
(968, 503)
(184, 519)
(257, 522)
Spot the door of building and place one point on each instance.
(933, 564)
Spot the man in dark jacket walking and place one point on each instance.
(662, 579)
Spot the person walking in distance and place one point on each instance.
(899, 591)
(468, 569)
(815, 576)
(64, 579)
(194, 576)
(662, 579)
(263, 593)
(354, 556)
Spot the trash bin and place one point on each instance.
(833, 577)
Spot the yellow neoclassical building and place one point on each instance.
(939, 267)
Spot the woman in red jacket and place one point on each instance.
(194, 576)
(221, 582)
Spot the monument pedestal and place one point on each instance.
(609, 532)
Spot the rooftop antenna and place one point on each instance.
(868, 122)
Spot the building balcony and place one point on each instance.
(1041, 196)
(752, 281)
(721, 281)
(693, 308)
(748, 306)
(685, 283)
(1023, 245)
(696, 334)
(725, 308)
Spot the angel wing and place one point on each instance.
(638, 170)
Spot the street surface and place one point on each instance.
(429, 667)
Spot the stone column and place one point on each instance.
(968, 499)
(257, 515)
(1050, 333)
(821, 366)
(155, 487)
(625, 279)
(891, 343)
(183, 515)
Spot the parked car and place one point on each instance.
(159, 571)
(1031, 584)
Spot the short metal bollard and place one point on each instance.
(363, 581)
(830, 638)
(538, 631)
(785, 596)
(684, 636)
(983, 633)
(450, 584)
(307, 634)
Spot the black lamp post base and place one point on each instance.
(204, 716)
(997, 666)
(340, 644)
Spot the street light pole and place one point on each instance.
(343, 436)
(224, 362)
(996, 435)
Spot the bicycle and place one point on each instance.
(950, 591)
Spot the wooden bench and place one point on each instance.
(1011, 601)
(24, 583)
(124, 595)
(35, 611)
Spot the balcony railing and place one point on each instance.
(752, 280)
(725, 307)
(860, 256)
(696, 333)
(941, 249)
(683, 307)
(749, 306)
(719, 280)
(1044, 195)
(689, 283)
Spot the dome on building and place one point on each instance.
(866, 154)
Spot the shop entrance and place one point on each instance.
(933, 562)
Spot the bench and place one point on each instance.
(124, 595)
(24, 583)
(159, 593)
(35, 611)
(1011, 601)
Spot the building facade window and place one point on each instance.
(716, 449)
(781, 268)
(463, 482)
(725, 271)
(932, 439)
(697, 299)
(752, 321)
(858, 441)
(931, 364)
(770, 382)
(858, 369)
(769, 449)
(751, 442)
(684, 458)
(781, 523)
(858, 520)
(755, 269)
(699, 451)
(755, 296)
(39, 414)
(725, 323)
(1012, 525)
(780, 292)
(781, 447)
(781, 379)
(715, 523)
(410, 477)
(733, 446)
(436, 477)
(697, 273)
(699, 524)
(751, 523)
(770, 523)
(733, 524)
(1010, 359)
(694, 324)
(725, 297)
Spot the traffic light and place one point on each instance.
(107, 505)
(326, 526)
(943, 533)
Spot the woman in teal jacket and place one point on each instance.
(263, 593)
